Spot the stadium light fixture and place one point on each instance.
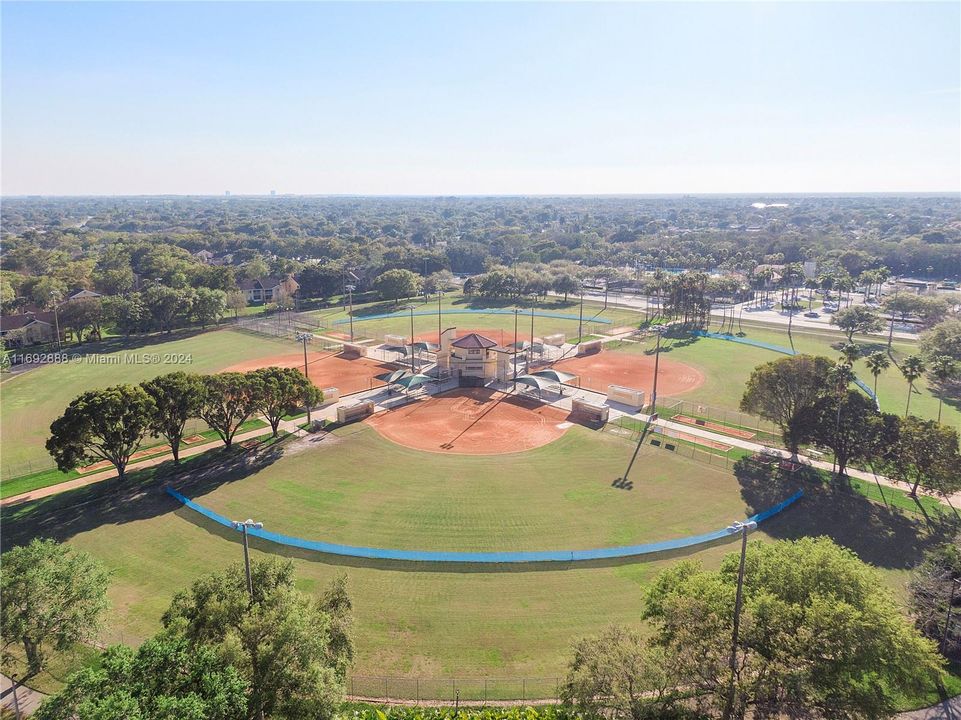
(411, 308)
(350, 312)
(743, 528)
(244, 526)
(659, 330)
(306, 337)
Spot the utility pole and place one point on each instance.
(305, 338)
(243, 526)
(55, 297)
(411, 308)
(743, 528)
(16, 700)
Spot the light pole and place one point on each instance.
(243, 526)
(743, 528)
(658, 330)
(54, 297)
(305, 338)
(440, 295)
(580, 317)
(411, 308)
(947, 620)
(516, 312)
(530, 348)
(350, 312)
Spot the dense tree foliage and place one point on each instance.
(820, 634)
(783, 390)
(53, 596)
(106, 424)
(166, 678)
(276, 392)
(177, 397)
(293, 650)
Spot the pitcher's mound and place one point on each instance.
(472, 421)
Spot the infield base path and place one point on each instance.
(472, 421)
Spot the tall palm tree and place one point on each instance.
(849, 353)
(943, 369)
(912, 368)
(877, 363)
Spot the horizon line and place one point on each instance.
(224, 196)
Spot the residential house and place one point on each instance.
(28, 328)
(264, 290)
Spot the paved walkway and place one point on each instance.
(27, 700)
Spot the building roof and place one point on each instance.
(473, 341)
(21, 320)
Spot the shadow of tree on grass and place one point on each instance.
(880, 535)
(67, 514)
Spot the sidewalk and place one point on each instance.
(27, 700)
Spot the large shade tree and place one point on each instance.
(53, 597)
(166, 678)
(277, 392)
(108, 424)
(782, 390)
(293, 650)
(227, 400)
(820, 634)
(849, 425)
(177, 398)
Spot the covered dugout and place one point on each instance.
(586, 411)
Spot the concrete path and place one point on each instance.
(948, 710)
(27, 700)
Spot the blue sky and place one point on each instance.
(456, 98)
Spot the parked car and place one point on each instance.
(812, 314)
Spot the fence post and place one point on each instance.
(417, 689)
(485, 691)
(523, 688)
(386, 691)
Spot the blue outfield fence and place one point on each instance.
(779, 349)
(483, 557)
(482, 311)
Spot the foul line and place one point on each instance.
(483, 557)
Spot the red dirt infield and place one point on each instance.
(636, 371)
(349, 375)
(472, 421)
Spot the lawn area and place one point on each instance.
(426, 621)
(33, 400)
(454, 314)
(727, 366)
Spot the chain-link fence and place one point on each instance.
(283, 325)
(709, 451)
(13, 471)
(723, 421)
(452, 689)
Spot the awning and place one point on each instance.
(412, 381)
(556, 376)
(392, 377)
(535, 382)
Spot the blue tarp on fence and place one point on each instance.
(482, 557)
(779, 349)
(466, 311)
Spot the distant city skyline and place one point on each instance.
(480, 99)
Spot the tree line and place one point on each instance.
(112, 423)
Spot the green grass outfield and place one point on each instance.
(426, 621)
(727, 367)
(33, 400)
